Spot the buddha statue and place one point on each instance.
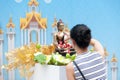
(61, 39)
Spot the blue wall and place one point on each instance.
(102, 16)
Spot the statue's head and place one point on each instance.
(60, 25)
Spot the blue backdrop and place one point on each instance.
(102, 16)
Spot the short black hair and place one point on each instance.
(81, 34)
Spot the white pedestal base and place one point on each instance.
(49, 72)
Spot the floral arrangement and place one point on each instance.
(25, 57)
(54, 59)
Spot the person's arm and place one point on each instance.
(70, 72)
(97, 46)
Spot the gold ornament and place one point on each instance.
(23, 58)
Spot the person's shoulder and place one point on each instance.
(69, 67)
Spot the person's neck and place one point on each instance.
(80, 51)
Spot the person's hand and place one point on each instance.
(97, 46)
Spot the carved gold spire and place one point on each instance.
(24, 22)
(66, 28)
(31, 2)
(1, 32)
(114, 59)
(10, 23)
(105, 52)
(54, 23)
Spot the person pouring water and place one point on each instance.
(87, 65)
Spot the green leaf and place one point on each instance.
(41, 58)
